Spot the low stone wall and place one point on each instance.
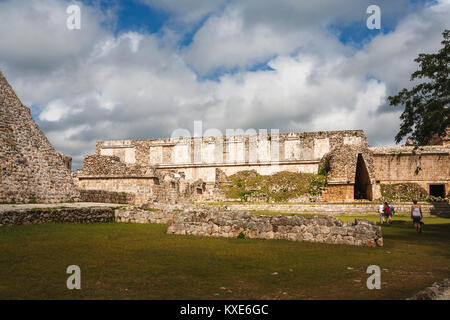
(74, 215)
(134, 215)
(103, 196)
(295, 228)
(428, 208)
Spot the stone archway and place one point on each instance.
(362, 186)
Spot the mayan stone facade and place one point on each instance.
(193, 169)
(428, 166)
(31, 169)
(147, 184)
(354, 170)
(198, 158)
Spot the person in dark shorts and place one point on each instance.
(416, 216)
(386, 213)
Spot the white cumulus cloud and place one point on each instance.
(95, 84)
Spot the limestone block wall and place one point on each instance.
(338, 193)
(145, 183)
(350, 172)
(424, 166)
(31, 169)
(73, 215)
(141, 187)
(101, 165)
(102, 196)
(295, 228)
(134, 215)
(198, 157)
(207, 173)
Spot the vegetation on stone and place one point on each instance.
(278, 187)
(403, 192)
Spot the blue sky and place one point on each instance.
(134, 15)
(145, 68)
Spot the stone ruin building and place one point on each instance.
(193, 168)
(103, 178)
(31, 169)
(174, 170)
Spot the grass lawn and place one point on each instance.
(140, 261)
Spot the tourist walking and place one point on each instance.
(416, 216)
(386, 213)
(381, 212)
(391, 211)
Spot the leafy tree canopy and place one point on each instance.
(426, 104)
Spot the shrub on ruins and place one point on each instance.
(426, 105)
(323, 170)
(278, 187)
(435, 199)
(403, 192)
(317, 185)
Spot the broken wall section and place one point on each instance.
(104, 176)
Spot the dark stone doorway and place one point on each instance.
(363, 188)
(437, 190)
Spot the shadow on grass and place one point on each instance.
(432, 235)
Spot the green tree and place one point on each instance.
(426, 104)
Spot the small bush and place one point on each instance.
(323, 170)
(241, 235)
(317, 185)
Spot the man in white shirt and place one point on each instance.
(381, 212)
